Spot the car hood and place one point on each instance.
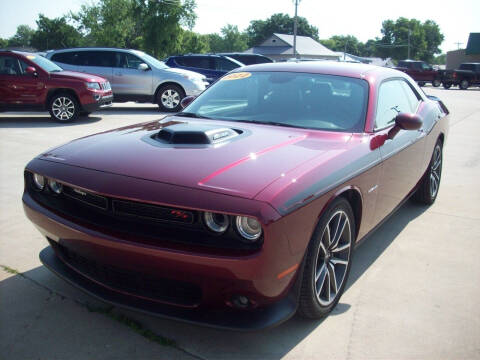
(260, 156)
(185, 72)
(74, 75)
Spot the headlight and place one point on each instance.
(55, 186)
(93, 86)
(38, 181)
(249, 228)
(215, 222)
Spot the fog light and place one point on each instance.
(55, 186)
(38, 181)
(215, 222)
(249, 228)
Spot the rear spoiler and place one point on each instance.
(440, 103)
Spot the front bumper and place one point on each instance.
(226, 318)
(102, 102)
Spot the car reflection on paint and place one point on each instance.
(246, 206)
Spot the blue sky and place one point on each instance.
(362, 19)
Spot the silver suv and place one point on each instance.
(134, 75)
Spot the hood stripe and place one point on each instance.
(250, 157)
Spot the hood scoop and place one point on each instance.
(195, 134)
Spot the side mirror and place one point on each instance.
(405, 121)
(186, 101)
(30, 70)
(143, 67)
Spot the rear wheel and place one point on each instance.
(169, 97)
(447, 85)
(64, 107)
(328, 261)
(464, 84)
(421, 83)
(436, 82)
(430, 184)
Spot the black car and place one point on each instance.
(468, 74)
(210, 65)
(248, 59)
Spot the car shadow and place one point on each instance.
(42, 121)
(204, 342)
(126, 110)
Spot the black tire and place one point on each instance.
(85, 113)
(169, 97)
(421, 83)
(63, 107)
(447, 85)
(319, 259)
(436, 83)
(430, 184)
(464, 84)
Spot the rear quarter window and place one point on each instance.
(65, 58)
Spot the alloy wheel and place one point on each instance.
(333, 258)
(170, 98)
(63, 108)
(436, 171)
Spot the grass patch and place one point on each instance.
(10, 270)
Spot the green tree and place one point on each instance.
(215, 43)
(347, 43)
(3, 43)
(440, 59)
(194, 43)
(230, 40)
(425, 39)
(54, 33)
(259, 30)
(23, 36)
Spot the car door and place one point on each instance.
(128, 79)
(402, 157)
(97, 62)
(17, 88)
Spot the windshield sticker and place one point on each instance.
(237, 76)
(31, 57)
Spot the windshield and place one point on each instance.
(313, 101)
(44, 63)
(151, 60)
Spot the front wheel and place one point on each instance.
(169, 98)
(436, 82)
(64, 107)
(328, 260)
(428, 190)
(464, 84)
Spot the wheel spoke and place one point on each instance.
(319, 284)
(328, 285)
(333, 277)
(341, 248)
(336, 261)
(321, 272)
(339, 231)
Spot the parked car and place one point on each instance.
(421, 72)
(134, 75)
(248, 59)
(466, 75)
(246, 206)
(212, 66)
(30, 82)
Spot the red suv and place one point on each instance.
(31, 82)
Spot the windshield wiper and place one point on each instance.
(55, 70)
(276, 123)
(192, 115)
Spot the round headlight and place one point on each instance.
(55, 186)
(248, 227)
(39, 181)
(216, 222)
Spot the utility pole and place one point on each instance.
(295, 31)
(458, 45)
(409, 33)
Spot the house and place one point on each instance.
(346, 57)
(280, 47)
(470, 54)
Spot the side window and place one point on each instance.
(201, 62)
(9, 66)
(392, 100)
(23, 67)
(412, 97)
(65, 57)
(224, 64)
(425, 66)
(127, 61)
(97, 58)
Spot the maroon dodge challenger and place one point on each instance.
(245, 207)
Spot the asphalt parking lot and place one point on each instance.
(412, 294)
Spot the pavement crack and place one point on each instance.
(109, 311)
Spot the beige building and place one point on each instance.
(470, 54)
(279, 47)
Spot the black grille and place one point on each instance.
(159, 289)
(86, 197)
(151, 212)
